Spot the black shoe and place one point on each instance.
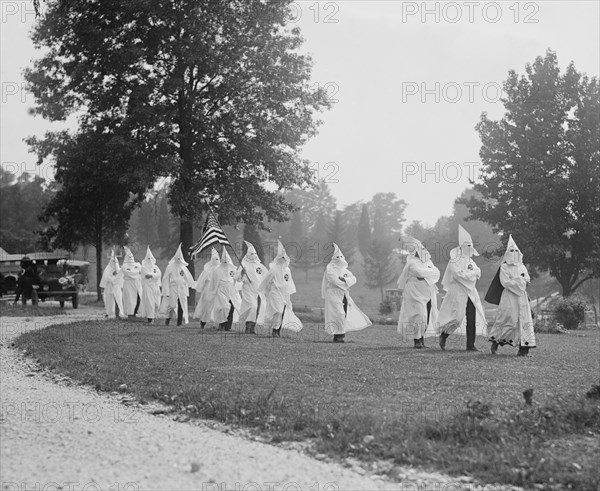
(443, 338)
(167, 322)
(202, 324)
(523, 351)
(494, 347)
(472, 348)
(422, 341)
(277, 333)
(418, 344)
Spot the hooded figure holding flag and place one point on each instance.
(176, 284)
(222, 290)
(277, 287)
(132, 283)
(251, 277)
(514, 324)
(151, 276)
(204, 306)
(341, 313)
(419, 311)
(462, 299)
(112, 284)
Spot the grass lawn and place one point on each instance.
(455, 411)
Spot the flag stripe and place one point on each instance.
(212, 234)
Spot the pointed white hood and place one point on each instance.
(178, 258)
(465, 243)
(148, 262)
(129, 259)
(513, 255)
(337, 259)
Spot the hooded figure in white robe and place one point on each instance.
(341, 313)
(514, 324)
(277, 287)
(204, 306)
(176, 284)
(253, 302)
(461, 307)
(417, 282)
(224, 294)
(132, 283)
(151, 276)
(112, 285)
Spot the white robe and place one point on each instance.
(204, 306)
(176, 285)
(459, 283)
(251, 281)
(412, 322)
(150, 302)
(513, 323)
(112, 294)
(277, 287)
(132, 286)
(222, 290)
(333, 291)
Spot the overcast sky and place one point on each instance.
(411, 80)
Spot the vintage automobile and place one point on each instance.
(62, 280)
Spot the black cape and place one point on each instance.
(494, 293)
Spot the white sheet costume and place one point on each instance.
(514, 324)
(224, 294)
(204, 306)
(176, 284)
(252, 309)
(112, 284)
(341, 313)
(151, 277)
(277, 287)
(459, 281)
(417, 282)
(132, 282)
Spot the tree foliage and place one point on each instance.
(216, 94)
(380, 264)
(22, 199)
(541, 170)
(364, 231)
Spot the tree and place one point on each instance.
(22, 200)
(380, 264)
(387, 215)
(364, 231)
(216, 94)
(296, 229)
(308, 258)
(163, 224)
(316, 201)
(540, 179)
(92, 204)
(251, 235)
(338, 235)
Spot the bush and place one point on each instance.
(570, 311)
(386, 307)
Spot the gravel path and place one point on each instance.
(55, 434)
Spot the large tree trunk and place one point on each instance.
(186, 237)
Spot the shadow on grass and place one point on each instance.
(457, 412)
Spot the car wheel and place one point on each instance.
(75, 300)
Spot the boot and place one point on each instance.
(523, 351)
(443, 338)
(252, 328)
(422, 341)
(149, 320)
(248, 327)
(167, 321)
(494, 348)
(202, 324)
(418, 344)
(277, 333)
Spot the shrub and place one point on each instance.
(570, 311)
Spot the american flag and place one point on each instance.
(212, 233)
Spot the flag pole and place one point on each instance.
(210, 210)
